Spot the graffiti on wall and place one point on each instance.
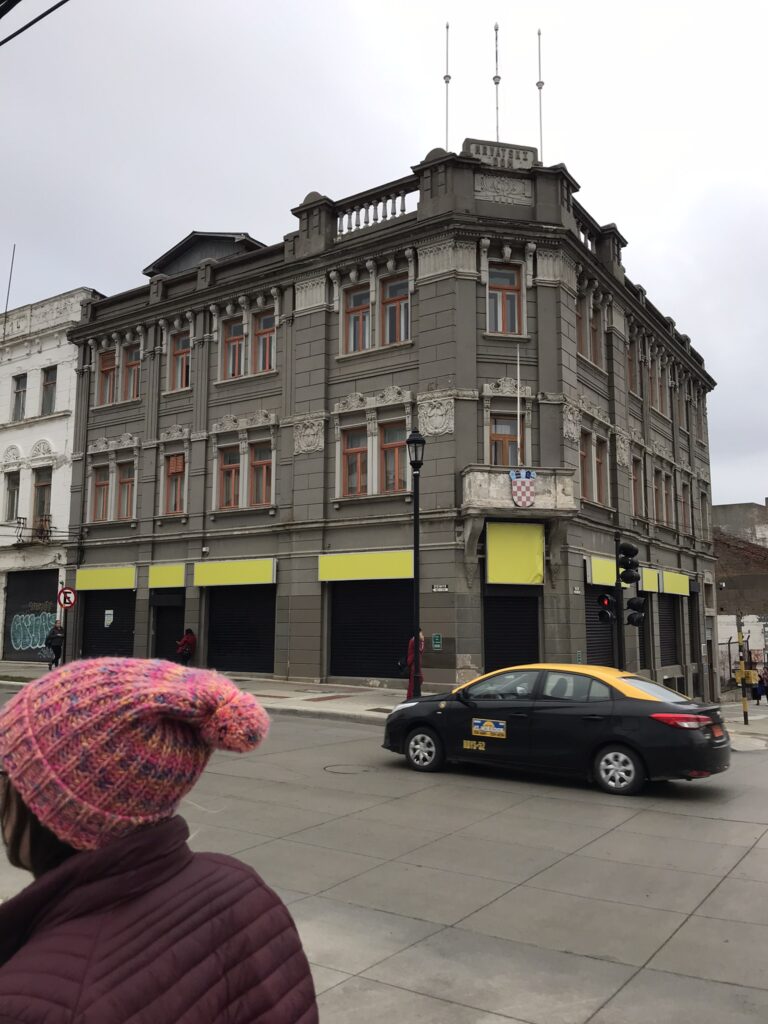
(30, 611)
(29, 630)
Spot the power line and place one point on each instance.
(33, 22)
(7, 6)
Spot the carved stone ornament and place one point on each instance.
(393, 395)
(447, 256)
(351, 403)
(505, 387)
(11, 454)
(308, 435)
(435, 416)
(499, 188)
(229, 424)
(622, 448)
(571, 422)
(40, 449)
(174, 433)
(310, 293)
(104, 444)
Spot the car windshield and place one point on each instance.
(655, 690)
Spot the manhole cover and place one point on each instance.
(347, 769)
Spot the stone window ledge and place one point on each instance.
(378, 348)
(115, 405)
(35, 419)
(404, 496)
(214, 514)
(245, 376)
(498, 336)
(593, 366)
(178, 391)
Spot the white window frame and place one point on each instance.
(384, 282)
(173, 332)
(43, 369)
(7, 471)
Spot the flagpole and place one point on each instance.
(519, 438)
(447, 80)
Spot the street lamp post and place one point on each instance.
(415, 444)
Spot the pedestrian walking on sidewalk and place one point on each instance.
(55, 642)
(186, 647)
(123, 922)
(411, 663)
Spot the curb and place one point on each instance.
(360, 718)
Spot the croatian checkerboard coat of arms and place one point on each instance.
(523, 487)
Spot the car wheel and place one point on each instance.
(619, 770)
(424, 750)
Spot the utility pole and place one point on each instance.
(742, 667)
(618, 597)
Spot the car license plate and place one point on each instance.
(717, 731)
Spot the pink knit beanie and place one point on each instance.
(99, 748)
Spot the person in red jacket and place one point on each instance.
(186, 647)
(411, 663)
(123, 922)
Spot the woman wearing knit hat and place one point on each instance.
(123, 922)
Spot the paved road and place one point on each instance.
(471, 897)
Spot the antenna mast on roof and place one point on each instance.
(447, 80)
(540, 86)
(497, 77)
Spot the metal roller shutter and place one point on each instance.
(371, 624)
(599, 634)
(241, 628)
(108, 619)
(510, 627)
(168, 607)
(669, 638)
(30, 611)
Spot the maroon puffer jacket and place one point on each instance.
(148, 932)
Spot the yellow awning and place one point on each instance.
(166, 576)
(235, 573)
(649, 579)
(514, 553)
(675, 583)
(108, 577)
(603, 571)
(366, 565)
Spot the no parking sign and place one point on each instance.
(66, 598)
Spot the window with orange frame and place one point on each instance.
(260, 474)
(131, 372)
(174, 484)
(394, 459)
(180, 352)
(107, 377)
(125, 479)
(263, 343)
(234, 349)
(395, 312)
(355, 462)
(229, 477)
(100, 494)
(505, 301)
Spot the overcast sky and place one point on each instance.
(127, 123)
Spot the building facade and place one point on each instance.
(37, 397)
(240, 462)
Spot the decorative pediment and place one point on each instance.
(505, 387)
(40, 449)
(234, 424)
(174, 433)
(11, 454)
(112, 444)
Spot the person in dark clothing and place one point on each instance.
(186, 647)
(123, 923)
(411, 663)
(55, 642)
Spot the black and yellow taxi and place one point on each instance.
(616, 728)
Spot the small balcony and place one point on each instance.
(489, 489)
(40, 532)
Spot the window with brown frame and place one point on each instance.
(180, 353)
(632, 374)
(704, 514)
(100, 494)
(505, 301)
(234, 349)
(394, 460)
(229, 477)
(41, 510)
(700, 418)
(131, 371)
(596, 338)
(581, 334)
(260, 474)
(357, 320)
(174, 484)
(638, 496)
(585, 464)
(395, 312)
(504, 441)
(663, 390)
(48, 389)
(601, 470)
(355, 462)
(658, 495)
(125, 479)
(19, 397)
(653, 393)
(263, 343)
(107, 377)
(668, 517)
(685, 508)
(12, 487)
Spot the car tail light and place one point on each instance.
(684, 721)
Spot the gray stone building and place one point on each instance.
(240, 464)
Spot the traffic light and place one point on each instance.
(627, 564)
(607, 611)
(636, 615)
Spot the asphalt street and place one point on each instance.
(473, 897)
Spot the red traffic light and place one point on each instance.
(607, 611)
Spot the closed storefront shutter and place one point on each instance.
(510, 626)
(108, 618)
(668, 630)
(168, 611)
(371, 624)
(30, 611)
(643, 636)
(599, 634)
(241, 628)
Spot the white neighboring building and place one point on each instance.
(37, 395)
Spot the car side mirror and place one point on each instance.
(460, 695)
(521, 691)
